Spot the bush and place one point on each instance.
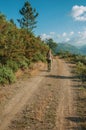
(13, 65)
(39, 57)
(23, 65)
(81, 71)
(6, 75)
(23, 62)
(80, 58)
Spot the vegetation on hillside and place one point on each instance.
(19, 47)
(52, 45)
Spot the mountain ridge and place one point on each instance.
(71, 48)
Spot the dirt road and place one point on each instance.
(44, 102)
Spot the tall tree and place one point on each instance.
(51, 44)
(28, 20)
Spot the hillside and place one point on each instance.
(67, 47)
(83, 49)
(19, 49)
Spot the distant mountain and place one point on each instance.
(83, 50)
(67, 47)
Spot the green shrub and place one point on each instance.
(13, 65)
(6, 75)
(80, 58)
(23, 65)
(23, 62)
(81, 70)
(39, 57)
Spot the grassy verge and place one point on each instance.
(81, 107)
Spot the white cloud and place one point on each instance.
(52, 33)
(58, 36)
(79, 32)
(67, 39)
(79, 13)
(45, 36)
(71, 33)
(64, 34)
(82, 35)
(78, 39)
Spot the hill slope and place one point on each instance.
(83, 49)
(67, 47)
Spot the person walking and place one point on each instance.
(49, 59)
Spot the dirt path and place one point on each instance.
(66, 108)
(45, 102)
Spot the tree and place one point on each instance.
(28, 20)
(51, 44)
(2, 17)
(12, 22)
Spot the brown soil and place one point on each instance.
(46, 101)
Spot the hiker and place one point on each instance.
(49, 59)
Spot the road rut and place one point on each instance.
(46, 102)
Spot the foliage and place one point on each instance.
(12, 21)
(65, 54)
(18, 49)
(6, 75)
(29, 15)
(79, 61)
(81, 71)
(52, 45)
(80, 58)
(39, 57)
(23, 63)
(13, 65)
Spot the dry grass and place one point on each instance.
(81, 107)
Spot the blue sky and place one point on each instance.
(62, 20)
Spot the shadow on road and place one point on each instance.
(77, 120)
(62, 77)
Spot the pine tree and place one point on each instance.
(28, 20)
